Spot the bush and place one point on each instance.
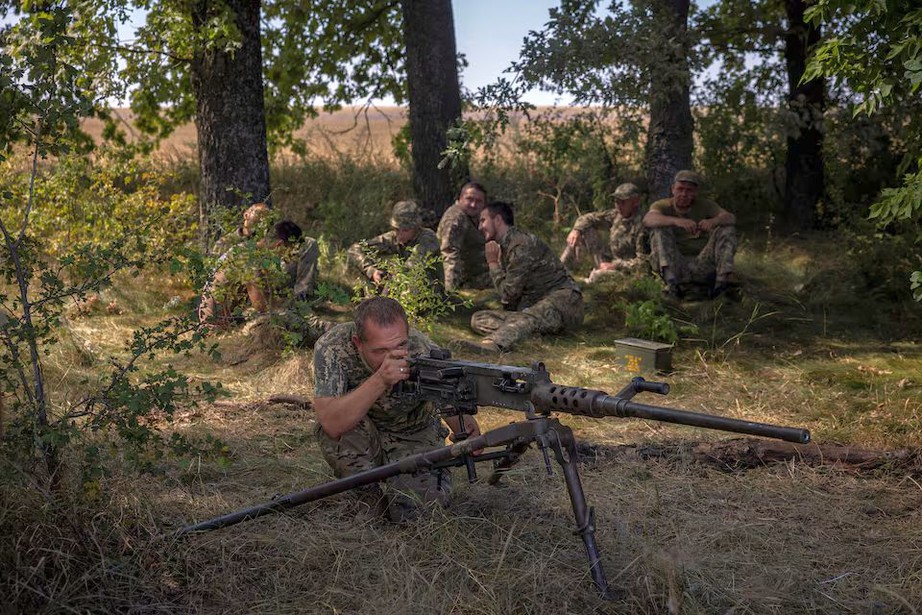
(344, 200)
(99, 199)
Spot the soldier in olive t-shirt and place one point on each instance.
(692, 239)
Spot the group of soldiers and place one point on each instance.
(686, 239)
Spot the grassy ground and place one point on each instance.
(675, 535)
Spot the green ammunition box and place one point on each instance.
(643, 356)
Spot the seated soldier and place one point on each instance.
(461, 242)
(625, 249)
(284, 291)
(298, 259)
(242, 273)
(219, 301)
(692, 239)
(538, 294)
(408, 240)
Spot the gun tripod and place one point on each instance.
(550, 435)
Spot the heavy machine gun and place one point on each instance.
(459, 387)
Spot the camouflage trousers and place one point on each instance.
(304, 323)
(562, 309)
(297, 326)
(714, 261)
(592, 244)
(365, 447)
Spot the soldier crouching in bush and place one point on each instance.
(275, 275)
(407, 241)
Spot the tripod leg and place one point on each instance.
(585, 521)
(502, 466)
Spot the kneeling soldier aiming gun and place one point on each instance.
(461, 387)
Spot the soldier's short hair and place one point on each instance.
(286, 231)
(382, 311)
(503, 210)
(475, 186)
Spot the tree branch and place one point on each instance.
(368, 19)
(145, 51)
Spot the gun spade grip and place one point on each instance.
(641, 386)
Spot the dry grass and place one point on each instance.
(676, 536)
(358, 133)
(353, 133)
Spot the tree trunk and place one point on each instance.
(230, 115)
(434, 97)
(669, 136)
(804, 178)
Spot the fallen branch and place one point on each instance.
(295, 400)
(743, 453)
(746, 452)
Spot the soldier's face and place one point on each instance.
(381, 341)
(472, 200)
(684, 195)
(487, 225)
(406, 235)
(252, 216)
(628, 207)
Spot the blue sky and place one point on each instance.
(490, 32)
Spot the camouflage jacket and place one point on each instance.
(626, 236)
(365, 253)
(302, 272)
(296, 266)
(339, 368)
(462, 248)
(528, 271)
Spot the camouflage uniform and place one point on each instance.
(538, 294)
(392, 429)
(462, 250)
(302, 272)
(692, 259)
(364, 253)
(301, 283)
(626, 246)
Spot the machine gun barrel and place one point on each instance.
(468, 384)
(598, 404)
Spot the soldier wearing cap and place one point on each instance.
(692, 239)
(408, 240)
(625, 249)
